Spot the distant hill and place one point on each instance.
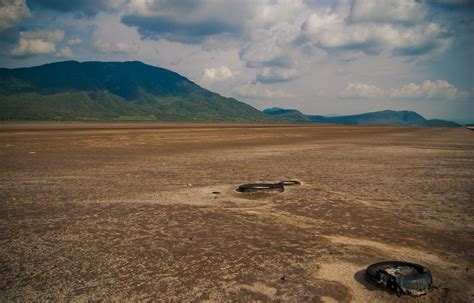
(441, 123)
(386, 117)
(72, 90)
(288, 114)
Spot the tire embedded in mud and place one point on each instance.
(290, 182)
(259, 187)
(402, 277)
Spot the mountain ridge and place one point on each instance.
(288, 114)
(384, 117)
(133, 90)
(94, 90)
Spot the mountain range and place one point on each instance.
(386, 117)
(72, 90)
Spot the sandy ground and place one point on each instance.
(138, 212)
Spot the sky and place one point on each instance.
(317, 56)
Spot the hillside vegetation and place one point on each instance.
(386, 117)
(112, 90)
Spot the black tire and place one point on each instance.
(401, 277)
(260, 187)
(290, 182)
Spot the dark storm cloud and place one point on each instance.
(9, 35)
(453, 4)
(276, 75)
(272, 79)
(187, 21)
(283, 61)
(88, 7)
(178, 30)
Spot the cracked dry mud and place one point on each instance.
(149, 212)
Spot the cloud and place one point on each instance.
(456, 4)
(47, 35)
(259, 91)
(272, 32)
(405, 11)
(188, 21)
(88, 7)
(331, 31)
(195, 21)
(212, 74)
(439, 89)
(120, 47)
(74, 42)
(276, 74)
(427, 90)
(37, 43)
(261, 53)
(65, 52)
(27, 47)
(271, 48)
(12, 12)
(359, 90)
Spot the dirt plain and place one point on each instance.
(149, 212)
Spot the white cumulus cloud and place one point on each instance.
(259, 91)
(65, 52)
(360, 90)
(37, 42)
(331, 31)
(439, 89)
(74, 42)
(426, 90)
(119, 47)
(215, 74)
(400, 27)
(388, 10)
(46, 35)
(12, 12)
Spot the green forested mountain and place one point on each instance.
(288, 114)
(385, 117)
(72, 90)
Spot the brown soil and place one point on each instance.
(149, 212)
